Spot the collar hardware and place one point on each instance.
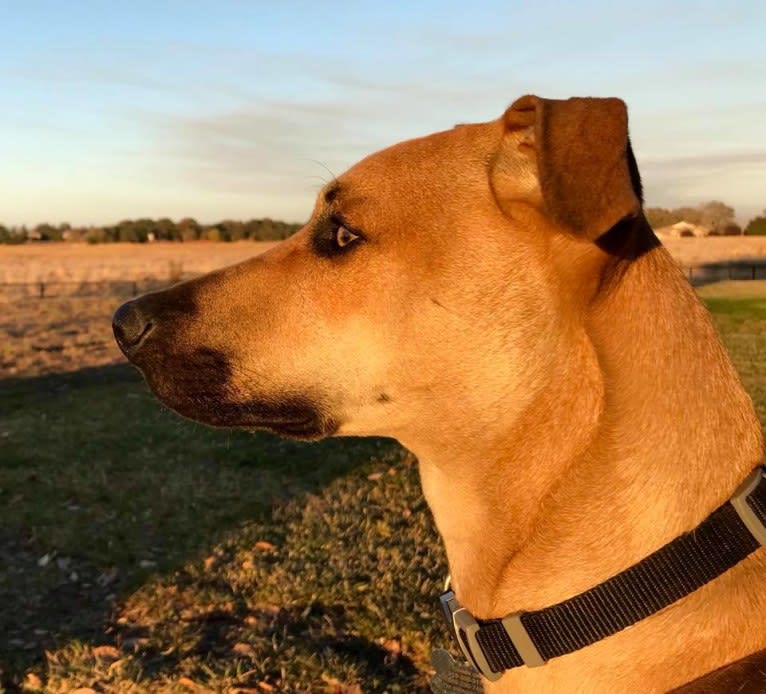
(726, 537)
(746, 506)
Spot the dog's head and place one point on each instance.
(445, 275)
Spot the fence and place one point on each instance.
(697, 275)
(706, 273)
(60, 289)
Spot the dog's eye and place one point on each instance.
(344, 237)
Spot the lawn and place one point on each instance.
(143, 553)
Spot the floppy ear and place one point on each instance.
(572, 159)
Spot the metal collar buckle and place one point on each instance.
(464, 628)
(739, 501)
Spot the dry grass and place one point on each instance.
(41, 336)
(75, 262)
(66, 331)
(61, 262)
(715, 249)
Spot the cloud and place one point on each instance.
(737, 178)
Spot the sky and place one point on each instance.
(233, 110)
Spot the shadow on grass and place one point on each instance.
(304, 630)
(103, 491)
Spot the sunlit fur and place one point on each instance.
(572, 410)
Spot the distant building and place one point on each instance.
(679, 229)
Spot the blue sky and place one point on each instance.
(239, 109)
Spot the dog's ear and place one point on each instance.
(572, 159)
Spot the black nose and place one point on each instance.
(130, 326)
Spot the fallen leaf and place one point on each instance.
(188, 682)
(116, 665)
(32, 682)
(374, 476)
(106, 652)
(244, 649)
(265, 546)
(84, 690)
(391, 645)
(209, 562)
(331, 681)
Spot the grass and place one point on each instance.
(210, 557)
(143, 553)
(81, 262)
(57, 334)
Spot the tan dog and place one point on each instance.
(493, 297)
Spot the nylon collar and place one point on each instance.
(726, 537)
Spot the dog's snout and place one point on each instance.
(131, 325)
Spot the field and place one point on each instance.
(70, 329)
(80, 262)
(142, 553)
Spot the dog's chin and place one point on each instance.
(294, 417)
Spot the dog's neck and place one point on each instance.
(644, 432)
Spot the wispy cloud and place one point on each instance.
(225, 109)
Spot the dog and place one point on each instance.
(493, 297)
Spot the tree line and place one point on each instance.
(715, 215)
(147, 230)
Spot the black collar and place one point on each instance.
(728, 535)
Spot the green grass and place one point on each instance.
(219, 559)
(148, 528)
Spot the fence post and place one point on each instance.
(753, 269)
(134, 288)
(42, 290)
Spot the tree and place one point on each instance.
(166, 230)
(189, 229)
(716, 215)
(757, 225)
(211, 234)
(659, 217)
(232, 230)
(96, 235)
(47, 232)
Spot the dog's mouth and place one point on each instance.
(290, 416)
(197, 386)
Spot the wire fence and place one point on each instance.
(706, 273)
(11, 291)
(45, 289)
